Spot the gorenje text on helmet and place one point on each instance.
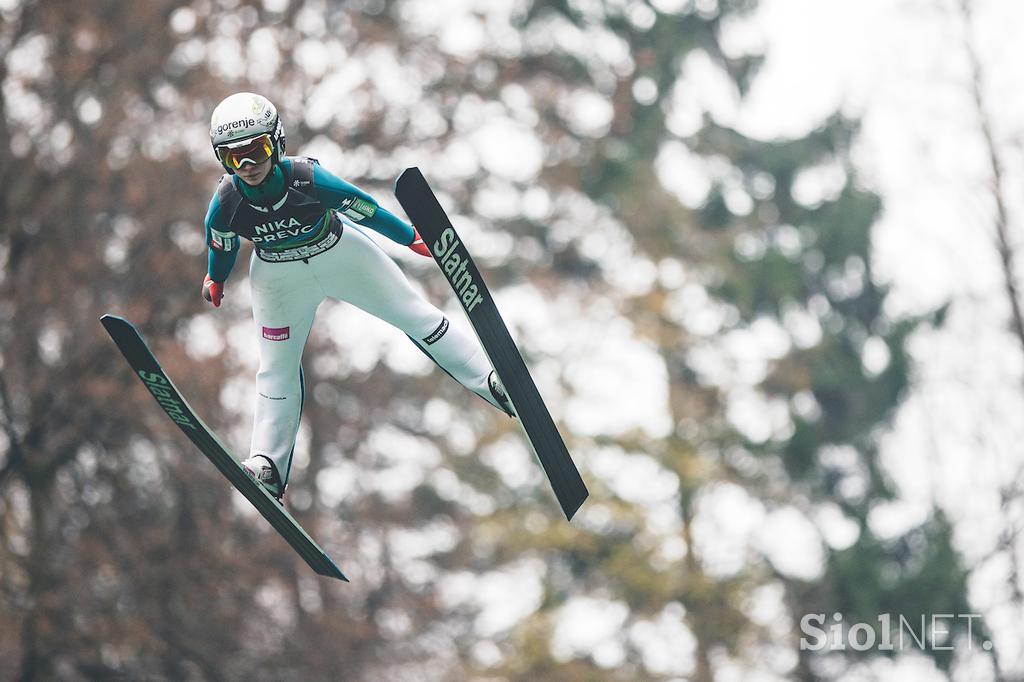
(235, 125)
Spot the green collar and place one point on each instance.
(268, 192)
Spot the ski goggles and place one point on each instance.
(255, 151)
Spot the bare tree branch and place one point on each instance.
(1004, 246)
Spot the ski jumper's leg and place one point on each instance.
(359, 272)
(285, 297)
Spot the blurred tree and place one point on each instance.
(123, 553)
(103, 515)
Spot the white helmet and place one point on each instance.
(245, 128)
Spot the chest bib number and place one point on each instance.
(299, 252)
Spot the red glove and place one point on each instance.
(213, 291)
(417, 244)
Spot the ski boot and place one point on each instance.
(499, 394)
(263, 471)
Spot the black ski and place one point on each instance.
(451, 255)
(167, 396)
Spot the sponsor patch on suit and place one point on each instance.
(277, 333)
(437, 333)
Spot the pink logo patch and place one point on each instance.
(277, 333)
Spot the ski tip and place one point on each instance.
(111, 321)
(408, 175)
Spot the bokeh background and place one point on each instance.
(762, 258)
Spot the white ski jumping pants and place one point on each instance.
(285, 297)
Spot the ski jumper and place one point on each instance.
(307, 229)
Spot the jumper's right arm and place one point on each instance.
(222, 251)
(220, 261)
(222, 244)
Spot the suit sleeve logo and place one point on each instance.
(357, 209)
(223, 241)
